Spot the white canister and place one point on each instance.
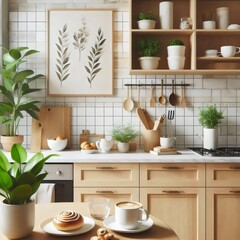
(166, 15)
(223, 17)
(210, 138)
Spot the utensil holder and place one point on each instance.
(151, 139)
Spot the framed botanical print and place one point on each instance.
(80, 52)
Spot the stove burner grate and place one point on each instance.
(219, 152)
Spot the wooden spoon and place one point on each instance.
(162, 99)
(152, 100)
(173, 98)
(128, 104)
(183, 103)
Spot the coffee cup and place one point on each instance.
(167, 142)
(229, 51)
(130, 214)
(211, 53)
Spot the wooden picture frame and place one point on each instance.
(80, 52)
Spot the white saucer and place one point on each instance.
(110, 224)
(88, 151)
(48, 227)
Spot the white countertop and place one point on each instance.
(184, 156)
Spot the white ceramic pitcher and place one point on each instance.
(104, 145)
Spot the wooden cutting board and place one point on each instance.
(54, 121)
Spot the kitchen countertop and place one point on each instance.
(183, 156)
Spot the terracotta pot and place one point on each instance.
(8, 141)
(17, 221)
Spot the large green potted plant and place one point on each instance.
(176, 54)
(20, 178)
(146, 20)
(148, 52)
(123, 135)
(15, 87)
(210, 118)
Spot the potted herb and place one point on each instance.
(210, 118)
(176, 54)
(19, 180)
(15, 87)
(146, 21)
(209, 21)
(148, 51)
(123, 134)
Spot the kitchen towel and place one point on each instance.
(45, 193)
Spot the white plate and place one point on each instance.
(48, 227)
(88, 151)
(112, 225)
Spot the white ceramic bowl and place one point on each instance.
(88, 151)
(57, 145)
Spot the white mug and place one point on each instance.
(167, 142)
(229, 51)
(129, 214)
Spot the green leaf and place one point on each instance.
(38, 181)
(21, 193)
(26, 178)
(6, 181)
(30, 52)
(15, 53)
(18, 153)
(4, 163)
(20, 76)
(33, 161)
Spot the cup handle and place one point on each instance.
(98, 145)
(237, 50)
(144, 213)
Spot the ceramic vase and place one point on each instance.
(8, 141)
(166, 15)
(210, 138)
(223, 17)
(17, 221)
(123, 147)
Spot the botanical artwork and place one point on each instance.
(80, 52)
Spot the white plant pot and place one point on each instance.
(209, 24)
(146, 24)
(17, 221)
(176, 50)
(176, 63)
(210, 138)
(149, 62)
(123, 147)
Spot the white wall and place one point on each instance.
(99, 114)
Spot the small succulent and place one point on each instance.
(175, 42)
(149, 47)
(148, 16)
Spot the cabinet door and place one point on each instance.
(181, 208)
(115, 195)
(223, 214)
(106, 174)
(172, 175)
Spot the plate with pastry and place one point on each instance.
(67, 223)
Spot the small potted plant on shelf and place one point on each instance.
(146, 21)
(123, 135)
(20, 178)
(15, 87)
(176, 54)
(210, 118)
(209, 21)
(148, 51)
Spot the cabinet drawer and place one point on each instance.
(223, 175)
(172, 175)
(106, 174)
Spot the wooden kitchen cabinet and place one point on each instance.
(118, 182)
(175, 193)
(223, 201)
(197, 40)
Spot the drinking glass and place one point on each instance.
(99, 208)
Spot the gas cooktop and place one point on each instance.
(219, 152)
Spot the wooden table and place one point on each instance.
(159, 231)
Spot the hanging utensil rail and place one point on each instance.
(155, 84)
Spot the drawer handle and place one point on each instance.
(104, 192)
(106, 168)
(235, 191)
(173, 167)
(236, 168)
(172, 191)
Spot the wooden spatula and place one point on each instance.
(142, 117)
